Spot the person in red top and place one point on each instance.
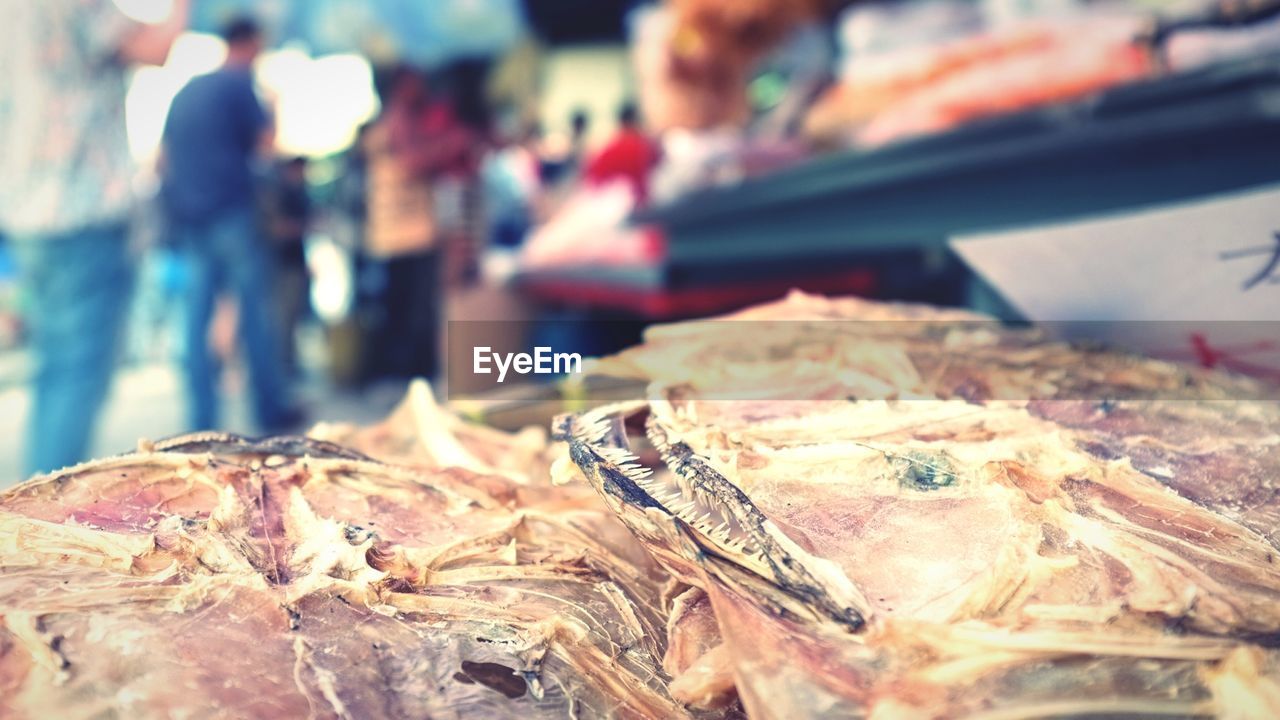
(629, 155)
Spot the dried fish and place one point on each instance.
(837, 509)
(941, 547)
(214, 576)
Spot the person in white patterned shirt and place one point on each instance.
(65, 199)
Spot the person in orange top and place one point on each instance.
(629, 155)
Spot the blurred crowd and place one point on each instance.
(445, 187)
(225, 281)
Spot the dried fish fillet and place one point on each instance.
(883, 529)
(216, 577)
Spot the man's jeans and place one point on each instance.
(77, 286)
(228, 254)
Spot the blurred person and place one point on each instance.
(510, 178)
(65, 200)
(288, 214)
(154, 326)
(350, 193)
(579, 126)
(409, 151)
(630, 155)
(455, 176)
(215, 130)
(561, 157)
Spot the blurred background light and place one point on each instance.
(152, 89)
(319, 102)
(147, 11)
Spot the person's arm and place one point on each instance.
(267, 138)
(255, 127)
(266, 108)
(149, 44)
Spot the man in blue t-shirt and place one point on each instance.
(215, 129)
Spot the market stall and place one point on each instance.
(876, 218)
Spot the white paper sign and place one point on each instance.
(1181, 279)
